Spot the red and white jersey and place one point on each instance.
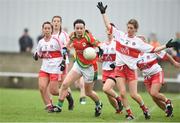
(64, 39)
(128, 49)
(50, 52)
(148, 63)
(109, 54)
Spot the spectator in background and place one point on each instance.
(153, 40)
(25, 42)
(40, 37)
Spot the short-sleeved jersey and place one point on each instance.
(128, 49)
(50, 51)
(64, 39)
(79, 45)
(109, 54)
(148, 64)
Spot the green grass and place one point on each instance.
(26, 106)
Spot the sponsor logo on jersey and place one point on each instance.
(84, 44)
(133, 43)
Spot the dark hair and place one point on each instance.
(134, 23)
(26, 30)
(78, 21)
(60, 29)
(47, 22)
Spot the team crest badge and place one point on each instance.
(51, 46)
(133, 43)
(84, 44)
(148, 57)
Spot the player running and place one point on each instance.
(128, 48)
(81, 39)
(108, 73)
(63, 37)
(154, 77)
(49, 50)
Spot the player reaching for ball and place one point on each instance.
(128, 48)
(89, 53)
(81, 39)
(154, 77)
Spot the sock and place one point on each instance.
(168, 101)
(69, 97)
(118, 98)
(142, 103)
(128, 110)
(143, 107)
(60, 103)
(97, 103)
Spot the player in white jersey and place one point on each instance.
(63, 37)
(128, 48)
(108, 74)
(154, 77)
(49, 50)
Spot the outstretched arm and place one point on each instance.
(169, 44)
(160, 48)
(170, 59)
(102, 9)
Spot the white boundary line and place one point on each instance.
(35, 75)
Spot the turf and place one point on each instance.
(26, 106)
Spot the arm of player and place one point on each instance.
(102, 9)
(171, 60)
(169, 44)
(160, 48)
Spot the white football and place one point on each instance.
(89, 53)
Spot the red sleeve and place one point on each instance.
(93, 41)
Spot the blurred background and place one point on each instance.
(159, 21)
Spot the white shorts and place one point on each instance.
(87, 73)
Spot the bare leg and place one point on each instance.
(43, 87)
(133, 92)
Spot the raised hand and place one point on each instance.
(101, 7)
(100, 52)
(171, 43)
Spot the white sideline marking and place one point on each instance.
(35, 75)
(18, 74)
(165, 79)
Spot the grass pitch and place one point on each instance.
(26, 106)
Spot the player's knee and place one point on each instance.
(133, 95)
(153, 94)
(64, 86)
(105, 89)
(88, 93)
(54, 92)
(42, 88)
